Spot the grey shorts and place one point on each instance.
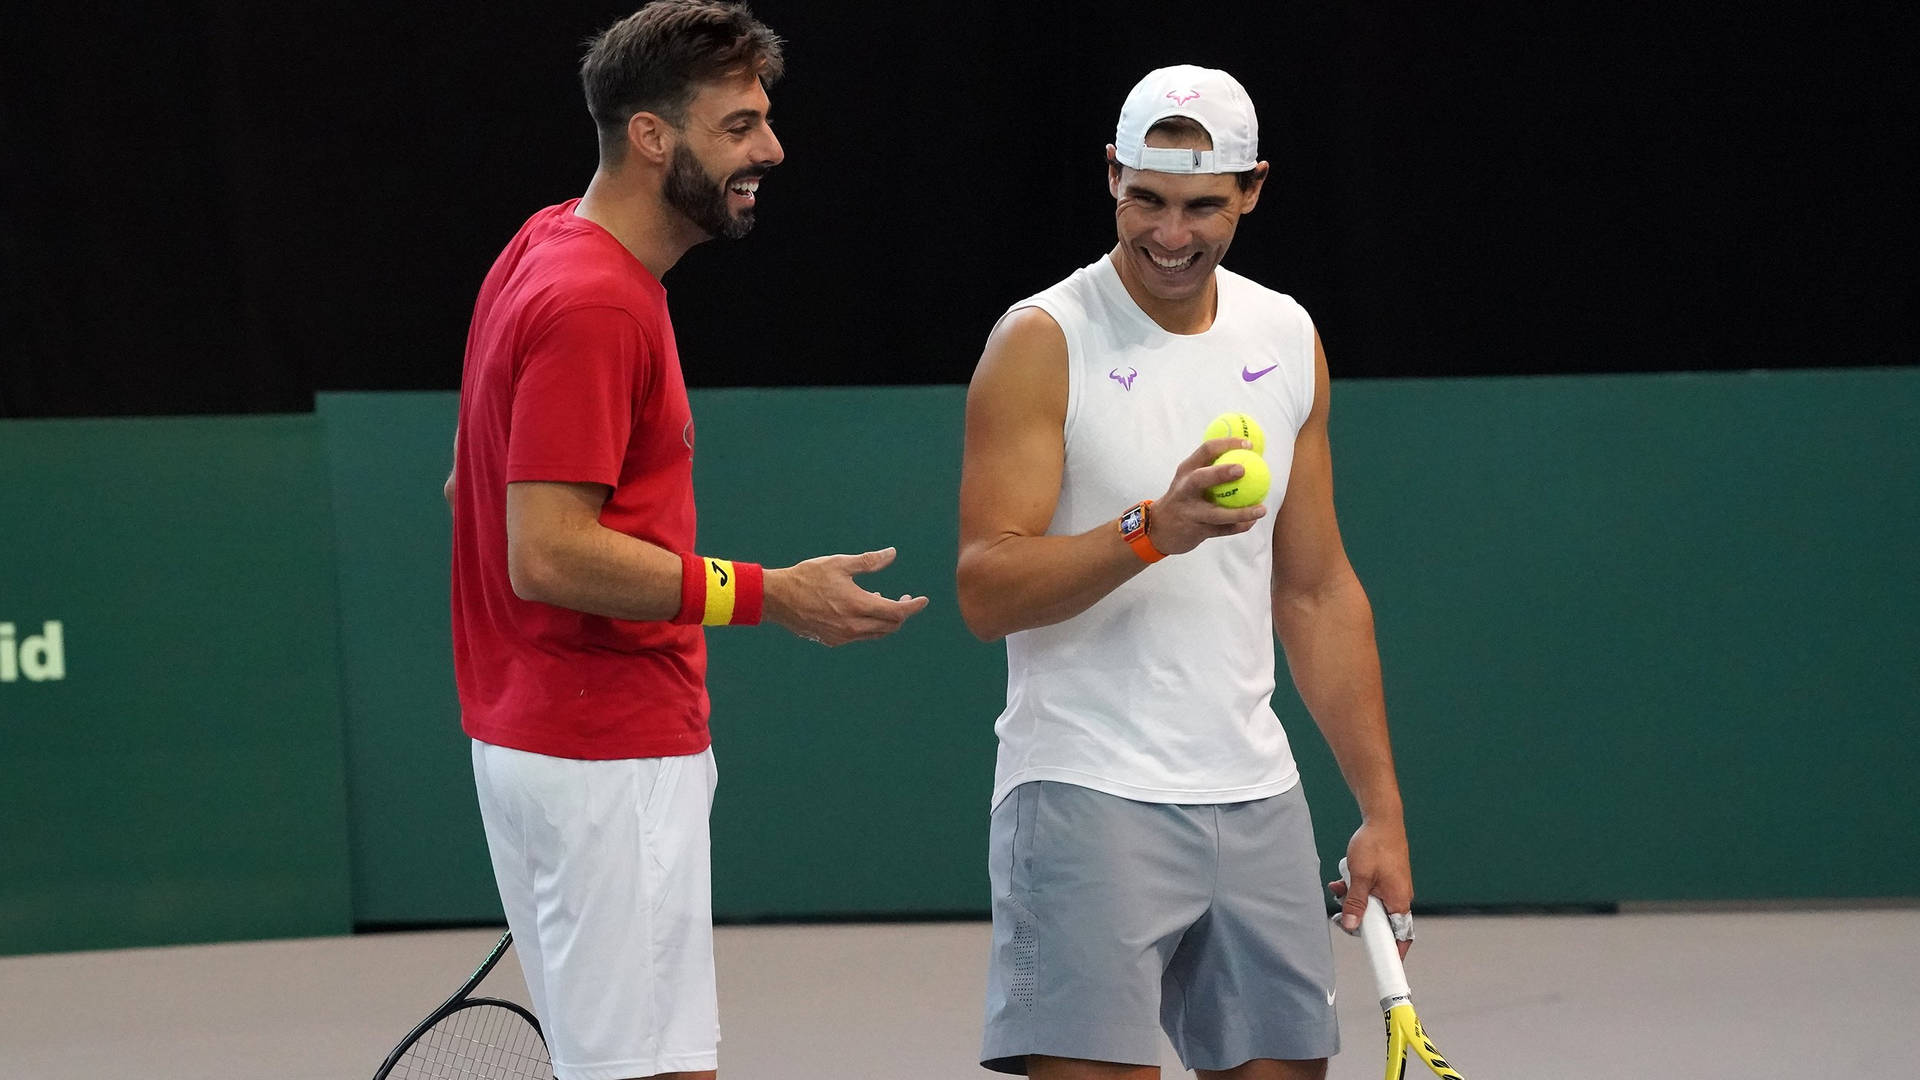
(1115, 919)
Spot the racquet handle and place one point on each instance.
(1383, 953)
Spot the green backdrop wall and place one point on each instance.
(1648, 637)
(182, 779)
(1645, 638)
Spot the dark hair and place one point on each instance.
(1182, 129)
(655, 59)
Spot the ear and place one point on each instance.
(650, 138)
(1113, 173)
(1251, 196)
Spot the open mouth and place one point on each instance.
(1172, 266)
(748, 189)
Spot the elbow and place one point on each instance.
(530, 572)
(1337, 596)
(975, 609)
(979, 623)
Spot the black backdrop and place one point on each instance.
(224, 206)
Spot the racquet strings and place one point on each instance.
(476, 1042)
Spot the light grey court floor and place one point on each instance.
(1699, 996)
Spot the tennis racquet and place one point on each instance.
(1403, 1027)
(472, 1038)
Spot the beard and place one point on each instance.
(703, 200)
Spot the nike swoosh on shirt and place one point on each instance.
(1252, 375)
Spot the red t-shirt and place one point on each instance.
(572, 375)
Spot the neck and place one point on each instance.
(1189, 315)
(631, 207)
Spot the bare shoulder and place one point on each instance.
(1025, 337)
(1028, 326)
(1014, 447)
(1024, 362)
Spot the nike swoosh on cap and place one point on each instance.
(1252, 375)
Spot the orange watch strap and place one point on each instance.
(1136, 537)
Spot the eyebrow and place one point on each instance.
(738, 115)
(1136, 191)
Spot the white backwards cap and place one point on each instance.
(1209, 97)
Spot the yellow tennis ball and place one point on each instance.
(1249, 488)
(1237, 425)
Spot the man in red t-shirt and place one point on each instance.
(578, 601)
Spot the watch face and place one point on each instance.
(1132, 520)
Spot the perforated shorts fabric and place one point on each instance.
(1114, 920)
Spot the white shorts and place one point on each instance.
(605, 873)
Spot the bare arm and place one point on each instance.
(1325, 624)
(1012, 576)
(558, 553)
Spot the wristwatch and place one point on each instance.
(1133, 529)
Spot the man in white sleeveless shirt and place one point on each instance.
(1152, 859)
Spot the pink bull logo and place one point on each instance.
(1125, 380)
(1181, 97)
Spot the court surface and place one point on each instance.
(1695, 995)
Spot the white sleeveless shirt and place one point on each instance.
(1161, 691)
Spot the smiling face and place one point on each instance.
(1176, 227)
(720, 155)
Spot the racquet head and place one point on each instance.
(472, 1038)
(480, 1039)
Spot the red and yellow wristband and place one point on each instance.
(719, 592)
